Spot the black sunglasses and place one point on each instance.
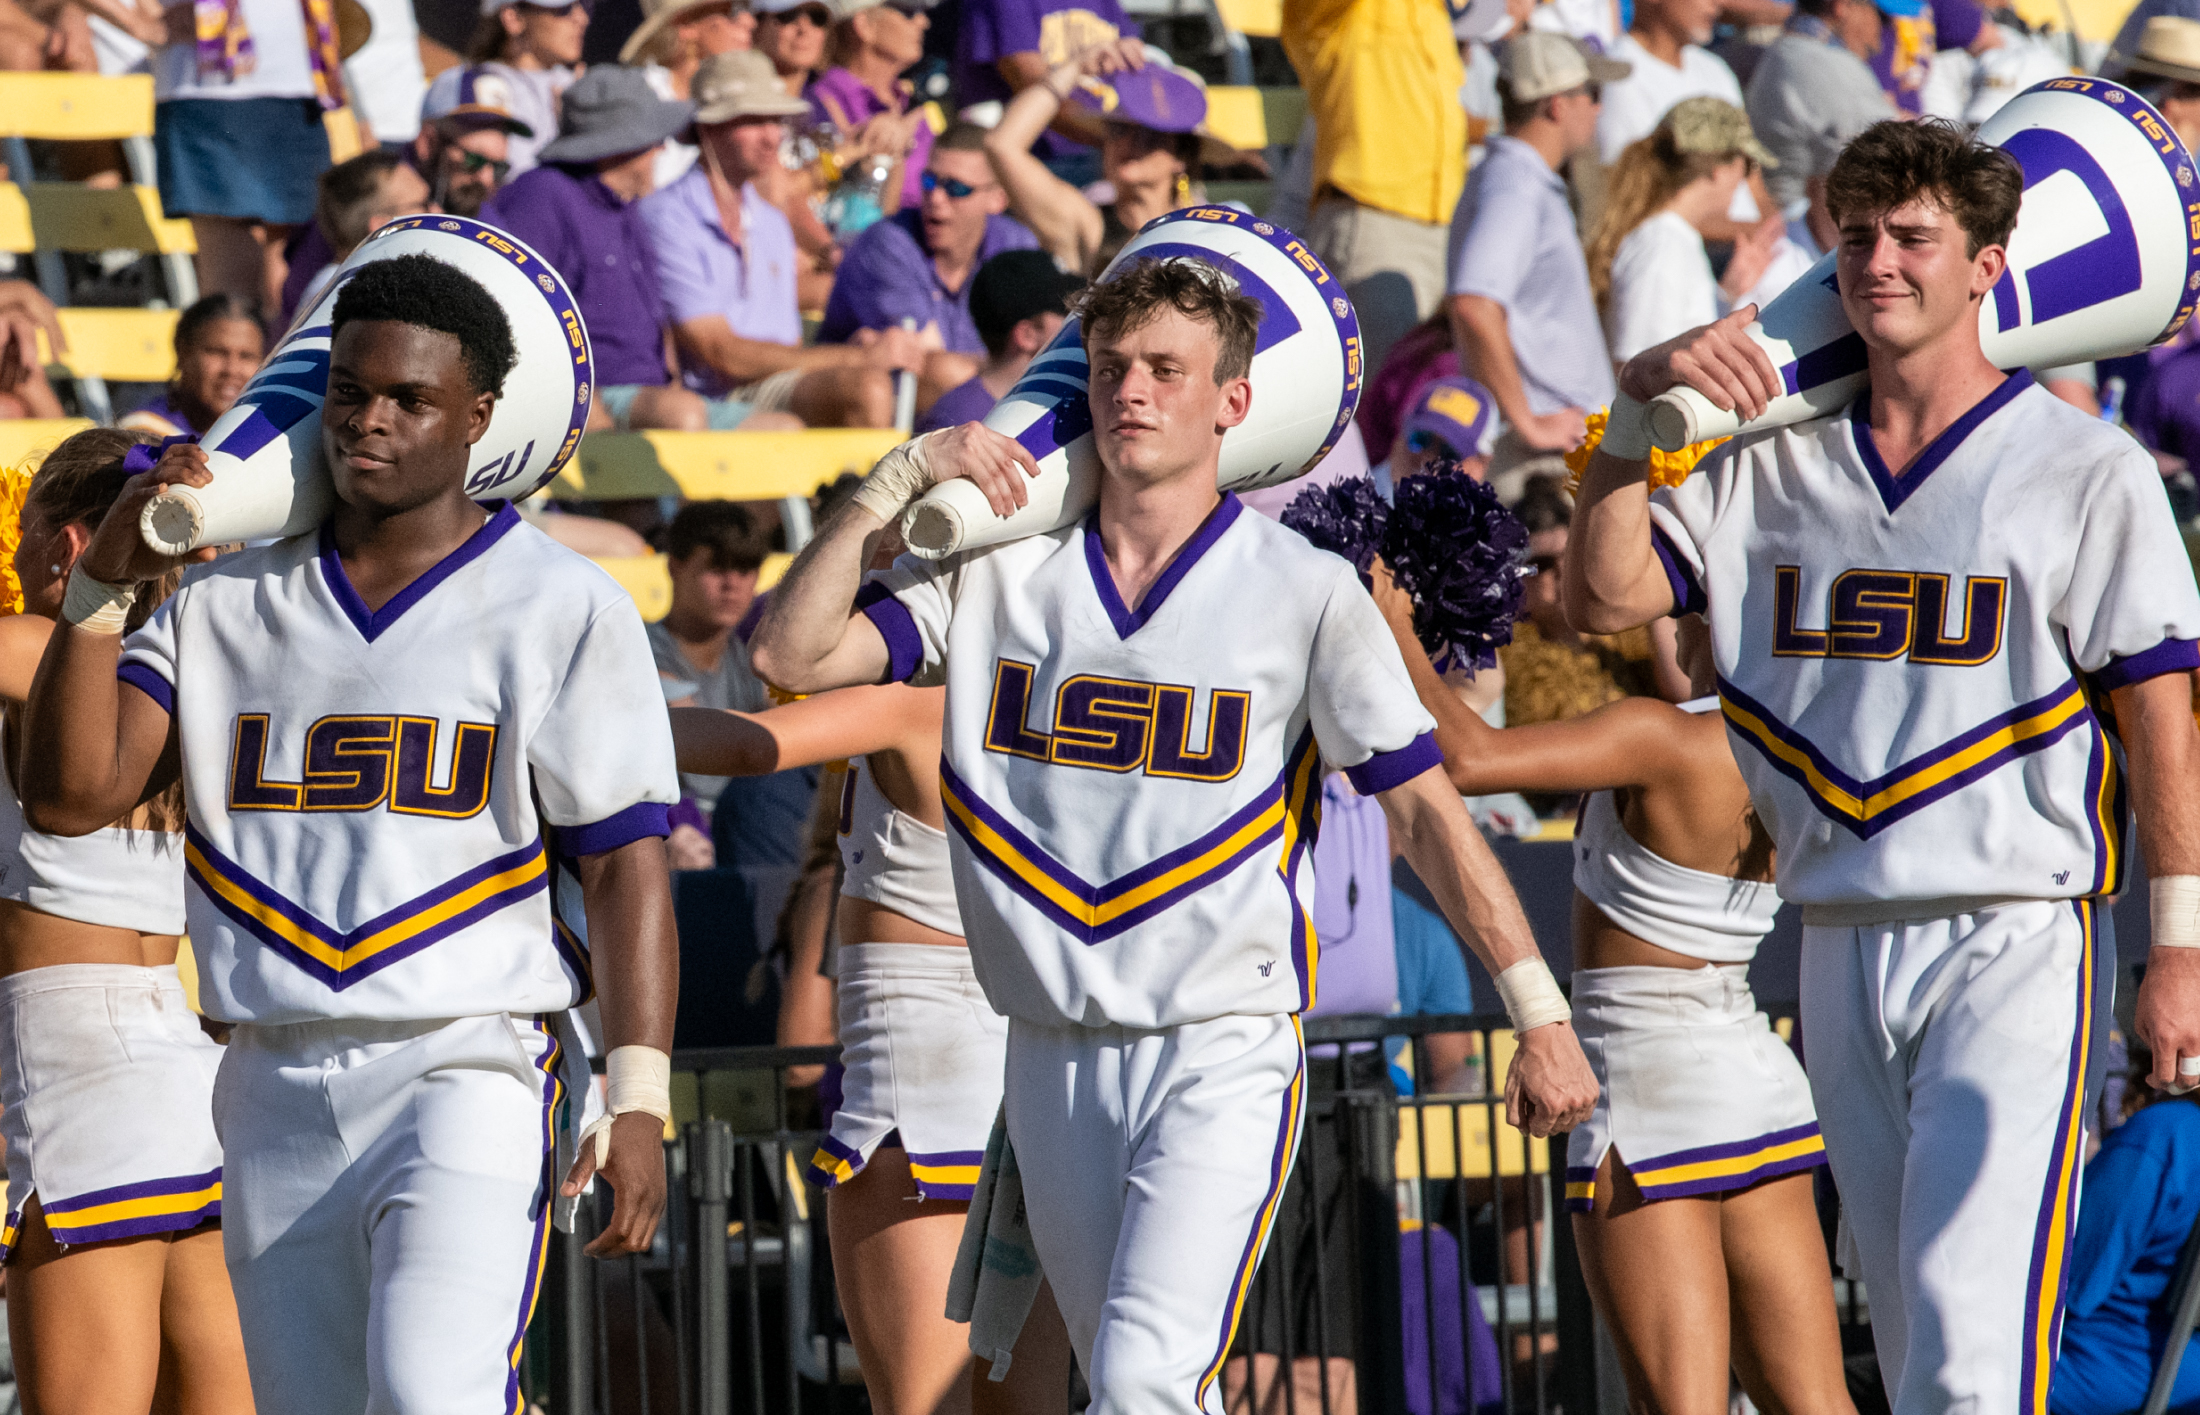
(475, 162)
(933, 182)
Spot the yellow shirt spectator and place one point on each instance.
(1382, 83)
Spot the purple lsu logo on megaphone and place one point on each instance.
(2105, 260)
(1307, 374)
(265, 453)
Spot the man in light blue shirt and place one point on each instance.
(1521, 309)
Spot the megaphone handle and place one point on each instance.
(1681, 416)
(905, 390)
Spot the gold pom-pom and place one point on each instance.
(1666, 468)
(15, 488)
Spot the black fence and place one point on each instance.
(1420, 1260)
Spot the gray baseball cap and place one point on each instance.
(1538, 64)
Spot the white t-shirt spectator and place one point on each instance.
(281, 68)
(385, 79)
(1633, 105)
(1661, 286)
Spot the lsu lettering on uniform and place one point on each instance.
(1915, 675)
(1132, 797)
(369, 796)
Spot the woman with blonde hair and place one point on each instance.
(118, 1298)
(1647, 264)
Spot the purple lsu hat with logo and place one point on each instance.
(1156, 97)
(1454, 411)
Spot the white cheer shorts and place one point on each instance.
(1693, 1088)
(923, 1054)
(107, 1084)
(389, 1189)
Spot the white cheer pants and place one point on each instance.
(387, 1189)
(1152, 1162)
(1951, 1059)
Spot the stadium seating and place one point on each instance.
(29, 439)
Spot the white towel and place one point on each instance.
(997, 1272)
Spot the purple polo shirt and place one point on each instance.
(886, 276)
(1359, 947)
(964, 403)
(847, 102)
(2165, 413)
(597, 242)
(991, 30)
(700, 271)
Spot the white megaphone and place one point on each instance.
(2105, 261)
(1306, 384)
(265, 453)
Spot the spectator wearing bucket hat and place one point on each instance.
(1811, 92)
(1452, 418)
(1521, 310)
(1153, 119)
(726, 266)
(1019, 301)
(865, 98)
(535, 49)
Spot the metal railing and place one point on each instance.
(1419, 1260)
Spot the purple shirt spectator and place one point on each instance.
(847, 102)
(991, 30)
(598, 243)
(964, 403)
(2165, 413)
(1946, 24)
(1359, 950)
(700, 271)
(888, 276)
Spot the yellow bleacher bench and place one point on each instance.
(122, 345)
(646, 578)
(1262, 19)
(15, 221)
(26, 440)
(69, 217)
(76, 107)
(729, 466)
(1254, 118)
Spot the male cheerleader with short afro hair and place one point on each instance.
(1138, 712)
(385, 730)
(1954, 629)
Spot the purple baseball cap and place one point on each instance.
(1456, 412)
(1156, 97)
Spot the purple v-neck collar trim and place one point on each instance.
(1895, 490)
(1103, 580)
(371, 625)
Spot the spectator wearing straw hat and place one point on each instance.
(2166, 69)
(726, 268)
(1019, 301)
(671, 43)
(914, 268)
(864, 97)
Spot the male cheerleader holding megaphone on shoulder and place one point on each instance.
(1953, 627)
(1138, 709)
(377, 725)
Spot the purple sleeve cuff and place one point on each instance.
(2168, 656)
(143, 678)
(904, 645)
(1688, 595)
(1387, 769)
(636, 822)
(689, 812)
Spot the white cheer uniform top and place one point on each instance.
(1132, 794)
(891, 858)
(116, 878)
(1911, 669)
(1716, 918)
(368, 792)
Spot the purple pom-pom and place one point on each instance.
(1346, 517)
(1462, 557)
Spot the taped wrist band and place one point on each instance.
(2188, 1065)
(1626, 430)
(1531, 995)
(635, 1078)
(96, 605)
(900, 477)
(2174, 910)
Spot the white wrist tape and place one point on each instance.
(900, 477)
(96, 605)
(1531, 995)
(1626, 430)
(636, 1078)
(2175, 910)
